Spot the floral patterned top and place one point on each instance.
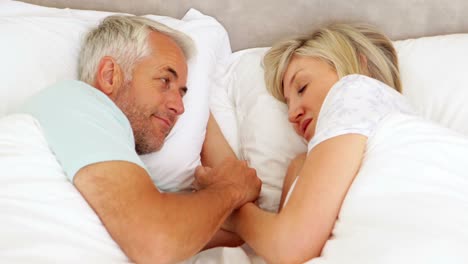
(355, 105)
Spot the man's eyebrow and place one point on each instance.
(172, 71)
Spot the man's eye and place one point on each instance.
(164, 80)
(183, 91)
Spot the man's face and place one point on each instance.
(152, 100)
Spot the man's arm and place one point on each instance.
(154, 227)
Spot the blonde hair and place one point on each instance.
(125, 39)
(348, 48)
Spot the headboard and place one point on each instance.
(256, 23)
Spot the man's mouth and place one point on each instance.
(166, 121)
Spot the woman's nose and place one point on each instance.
(294, 112)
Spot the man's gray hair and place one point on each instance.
(125, 39)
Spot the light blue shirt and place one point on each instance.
(82, 126)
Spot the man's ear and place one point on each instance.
(109, 76)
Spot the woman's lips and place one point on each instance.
(305, 124)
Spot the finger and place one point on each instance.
(200, 171)
(195, 185)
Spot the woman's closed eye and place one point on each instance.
(302, 89)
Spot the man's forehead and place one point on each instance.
(160, 42)
(168, 55)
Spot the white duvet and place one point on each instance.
(406, 205)
(387, 216)
(43, 217)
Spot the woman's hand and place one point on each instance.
(228, 225)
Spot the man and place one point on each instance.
(135, 72)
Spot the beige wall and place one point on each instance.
(253, 23)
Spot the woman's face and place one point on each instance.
(306, 83)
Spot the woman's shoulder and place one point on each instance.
(358, 83)
(356, 104)
(361, 91)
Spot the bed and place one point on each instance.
(39, 46)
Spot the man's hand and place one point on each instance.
(232, 174)
(151, 227)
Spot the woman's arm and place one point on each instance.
(299, 232)
(215, 147)
(293, 170)
(215, 150)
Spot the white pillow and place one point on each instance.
(41, 46)
(173, 166)
(432, 71)
(265, 138)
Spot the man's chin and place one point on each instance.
(159, 147)
(142, 150)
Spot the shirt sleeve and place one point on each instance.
(82, 126)
(355, 105)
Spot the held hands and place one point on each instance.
(232, 175)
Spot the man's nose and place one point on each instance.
(175, 102)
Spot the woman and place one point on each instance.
(341, 86)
